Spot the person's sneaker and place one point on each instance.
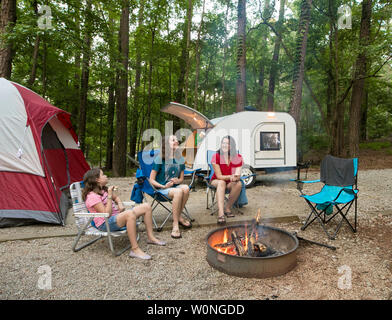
(143, 256)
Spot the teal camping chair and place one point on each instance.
(338, 194)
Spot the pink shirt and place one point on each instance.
(94, 198)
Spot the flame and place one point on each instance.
(230, 249)
(258, 216)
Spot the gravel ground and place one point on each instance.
(360, 268)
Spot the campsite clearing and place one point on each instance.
(180, 270)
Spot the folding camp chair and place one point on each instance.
(146, 160)
(84, 219)
(339, 191)
(211, 189)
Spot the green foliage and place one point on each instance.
(378, 145)
(159, 43)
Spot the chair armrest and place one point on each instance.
(92, 215)
(348, 190)
(191, 171)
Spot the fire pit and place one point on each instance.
(252, 250)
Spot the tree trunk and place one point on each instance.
(120, 146)
(76, 102)
(110, 128)
(241, 57)
(299, 62)
(44, 65)
(183, 62)
(188, 39)
(198, 53)
(7, 22)
(224, 58)
(264, 37)
(85, 77)
(364, 113)
(150, 70)
(33, 73)
(359, 81)
(138, 73)
(275, 59)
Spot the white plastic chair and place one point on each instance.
(83, 220)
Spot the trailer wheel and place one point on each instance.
(246, 171)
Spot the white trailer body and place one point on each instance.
(265, 140)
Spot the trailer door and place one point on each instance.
(269, 142)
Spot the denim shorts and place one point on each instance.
(112, 225)
(165, 192)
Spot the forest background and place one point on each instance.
(114, 64)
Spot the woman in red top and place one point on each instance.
(227, 165)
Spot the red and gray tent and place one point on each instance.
(39, 157)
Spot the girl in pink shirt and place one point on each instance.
(99, 198)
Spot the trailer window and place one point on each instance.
(269, 141)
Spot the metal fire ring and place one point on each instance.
(255, 267)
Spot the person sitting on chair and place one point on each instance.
(167, 175)
(100, 198)
(227, 165)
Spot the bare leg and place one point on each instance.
(146, 210)
(185, 196)
(176, 195)
(128, 219)
(235, 190)
(220, 195)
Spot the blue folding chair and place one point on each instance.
(340, 191)
(211, 190)
(146, 160)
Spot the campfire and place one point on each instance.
(247, 244)
(252, 250)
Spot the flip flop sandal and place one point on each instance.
(143, 257)
(176, 236)
(184, 225)
(222, 220)
(159, 243)
(229, 214)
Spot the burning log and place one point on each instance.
(246, 245)
(238, 244)
(261, 250)
(251, 249)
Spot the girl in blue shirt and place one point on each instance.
(167, 175)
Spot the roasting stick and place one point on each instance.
(314, 242)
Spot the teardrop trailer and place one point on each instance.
(267, 141)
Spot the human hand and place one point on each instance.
(175, 180)
(169, 184)
(121, 207)
(110, 192)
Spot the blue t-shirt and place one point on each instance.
(166, 171)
